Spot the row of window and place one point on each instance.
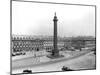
(25, 49)
(19, 43)
(16, 46)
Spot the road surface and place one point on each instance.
(18, 66)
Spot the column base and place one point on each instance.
(55, 56)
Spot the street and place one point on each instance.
(82, 58)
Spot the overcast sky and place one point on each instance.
(37, 19)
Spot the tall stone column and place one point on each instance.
(55, 51)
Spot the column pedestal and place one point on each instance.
(55, 56)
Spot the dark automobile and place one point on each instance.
(13, 55)
(66, 69)
(13, 74)
(27, 71)
(20, 53)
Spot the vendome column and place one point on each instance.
(55, 51)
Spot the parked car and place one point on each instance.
(66, 69)
(13, 74)
(13, 54)
(27, 71)
(18, 53)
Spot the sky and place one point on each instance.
(37, 19)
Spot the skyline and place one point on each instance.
(37, 19)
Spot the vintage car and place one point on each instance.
(27, 71)
(66, 69)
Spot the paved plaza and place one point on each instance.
(73, 59)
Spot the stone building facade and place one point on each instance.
(24, 44)
(27, 43)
